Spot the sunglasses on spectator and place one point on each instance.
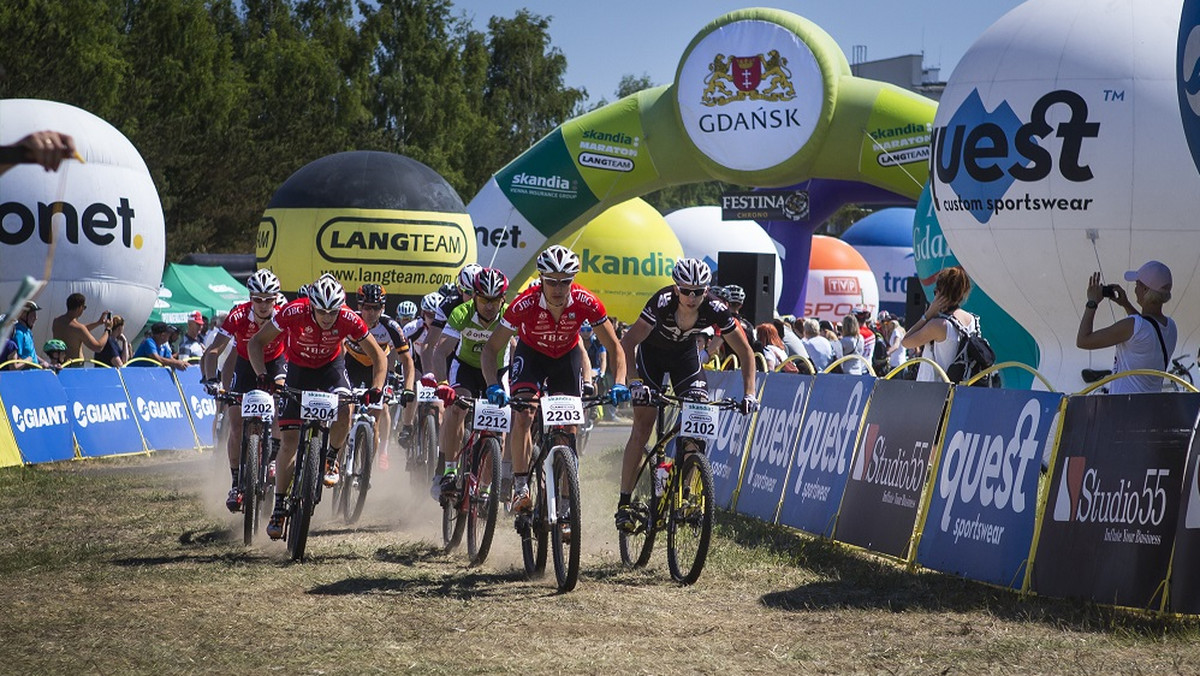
(550, 281)
(693, 292)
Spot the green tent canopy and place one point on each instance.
(188, 288)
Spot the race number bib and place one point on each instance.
(562, 409)
(425, 394)
(319, 406)
(491, 417)
(258, 404)
(698, 421)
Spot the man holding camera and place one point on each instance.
(1143, 340)
(77, 335)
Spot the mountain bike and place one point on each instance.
(424, 462)
(350, 492)
(258, 410)
(555, 518)
(476, 499)
(318, 410)
(674, 490)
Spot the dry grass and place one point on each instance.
(128, 566)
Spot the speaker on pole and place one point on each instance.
(754, 272)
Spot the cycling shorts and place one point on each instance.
(530, 370)
(244, 378)
(680, 362)
(328, 378)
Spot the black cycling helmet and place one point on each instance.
(371, 293)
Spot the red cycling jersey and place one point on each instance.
(530, 318)
(309, 345)
(241, 325)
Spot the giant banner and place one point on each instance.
(35, 408)
(103, 421)
(983, 509)
(817, 474)
(201, 406)
(160, 409)
(725, 454)
(1185, 584)
(779, 417)
(1113, 504)
(879, 508)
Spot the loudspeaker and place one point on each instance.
(754, 272)
(915, 304)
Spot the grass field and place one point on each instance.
(130, 566)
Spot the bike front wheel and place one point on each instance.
(689, 521)
(305, 484)
(356, 476)
(637, 543)
(252, 440)
(565, 531)
(483, 492)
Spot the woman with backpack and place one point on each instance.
(937, 331)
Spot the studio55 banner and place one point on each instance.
(775, 431)
(725, 454)
(1114, 497)
(1185, 583)
(817, 474)
(984, 504)
(891, 466)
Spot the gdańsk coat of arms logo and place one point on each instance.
(753, 78)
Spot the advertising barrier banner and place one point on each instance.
(1114, 497)
(99, 409)
(888, 475)
(201, 406)
(36, 409)
(775, 430)
(984, 497)
(817, 475)
(725, 454)
(161, 412)
(1185, 584)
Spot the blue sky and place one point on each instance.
(604, 40)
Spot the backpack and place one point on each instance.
(973, 355)
(879, 354)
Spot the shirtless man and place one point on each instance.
(77, 335)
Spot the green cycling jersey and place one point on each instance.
(472, 332)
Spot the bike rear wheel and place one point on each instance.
(305, 481)
(454, 521)
(689, 521)
(483, 491)
(356, 476)
(565, 532)
(248, 477)
(637, 546)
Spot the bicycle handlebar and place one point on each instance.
(662, 400)
(295, 394)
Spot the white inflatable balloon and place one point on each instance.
(110, 237)
(704, 235)
(1060, 152)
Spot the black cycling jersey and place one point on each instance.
(449, 302)
(660, 314)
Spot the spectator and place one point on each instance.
(791, 342)
(116, 352)
(852, 343)
(1144, 340)
(893, 334)
(23, 332)
(863, 315)
(157, 347)
(172, 338)
(829, 333)
(75, 334)
(56, 353)
(937, 335)
(773, 350)
(820, 350)
(8, 351)
(192, 343)
(47, 148)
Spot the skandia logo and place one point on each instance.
(97, 223)
(159, 410)
(91, 414)
(535, 181)
(825, 439)
(1084, 496)
(979, 154)
(610, 137)
(989, 469)
(25, 419)
(654, 264)
(899, 468)
(1187, 58)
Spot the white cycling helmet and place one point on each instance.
(263, 283)
(466, 277)
(407, 309)
(558, 258)
(691, 272)
(431, 301)
(326, 294)
(736, 293)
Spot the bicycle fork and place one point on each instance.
(551, 494)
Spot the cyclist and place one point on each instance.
(546, 318)
(453, 295)
(388, 334)
(467, 329)
(240, 325)
(662, 342)
(313, 329)
(417, 333)
(406, 312)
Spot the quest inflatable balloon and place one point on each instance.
(1057, 153)
(104, 216)
(839, 280)
(366, 217)
(884, 239)
(703, 235)
(626, 254)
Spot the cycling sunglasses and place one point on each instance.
(693, 292)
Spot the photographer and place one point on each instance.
(1143, 340)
